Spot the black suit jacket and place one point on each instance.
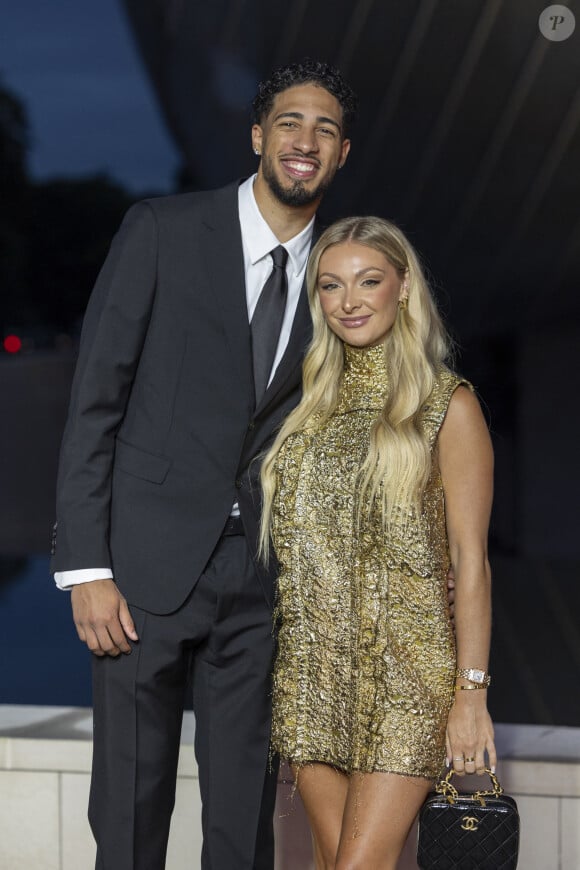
(162, 428)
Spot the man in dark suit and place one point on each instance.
(173, 400)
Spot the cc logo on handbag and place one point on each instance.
(469, 823)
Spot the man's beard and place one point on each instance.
(297, 194)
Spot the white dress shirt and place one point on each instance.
(257, 242)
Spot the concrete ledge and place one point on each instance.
(45, 762)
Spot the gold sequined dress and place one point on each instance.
(364, 674)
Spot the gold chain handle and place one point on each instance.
(449, 791)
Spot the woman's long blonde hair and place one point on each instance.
(398, 462)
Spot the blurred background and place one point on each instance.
(468, 136)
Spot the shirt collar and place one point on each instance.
(259, 238)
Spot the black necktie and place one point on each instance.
(267, 320)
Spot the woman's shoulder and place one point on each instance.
(445, 384)
(444, 388)
(447, 380)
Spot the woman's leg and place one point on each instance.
(324, 791)
(379, 811)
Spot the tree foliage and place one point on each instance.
(69, 227)
(13, 189)
(53, 235)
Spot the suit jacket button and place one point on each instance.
(251, 425)
(238, 484)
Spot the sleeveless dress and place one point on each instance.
(365, 669)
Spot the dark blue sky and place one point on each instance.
(91, 109)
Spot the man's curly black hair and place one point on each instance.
(304, 72)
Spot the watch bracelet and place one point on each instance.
(467, 674)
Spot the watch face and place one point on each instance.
(477, 676)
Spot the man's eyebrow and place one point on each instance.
(321, 119)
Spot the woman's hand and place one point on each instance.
(470, 734)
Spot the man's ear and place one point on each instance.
(344, 150)
(257, 136)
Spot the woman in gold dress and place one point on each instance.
(378, 481)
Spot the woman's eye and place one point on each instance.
(328, 286)
(370, 282)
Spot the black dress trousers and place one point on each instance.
(221, 639)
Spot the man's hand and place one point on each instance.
(102, 618)
(451, 594)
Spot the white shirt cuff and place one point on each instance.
(66, 579)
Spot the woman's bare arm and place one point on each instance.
(466, 464)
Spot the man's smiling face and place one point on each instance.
(301, 144)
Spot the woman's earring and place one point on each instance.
(256, 152)
(404, 298)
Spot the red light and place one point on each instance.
(12, 344)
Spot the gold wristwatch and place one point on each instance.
(474, 675)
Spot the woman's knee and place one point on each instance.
(361, 855)
(363, 862)
(324, 855)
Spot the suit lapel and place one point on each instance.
(225, 267)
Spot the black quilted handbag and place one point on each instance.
(478, 831)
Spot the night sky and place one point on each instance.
(90, 107)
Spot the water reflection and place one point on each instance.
(41, 659)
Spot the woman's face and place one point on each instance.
(359, 292)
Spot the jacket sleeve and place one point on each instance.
(112, 338)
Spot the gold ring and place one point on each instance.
(458, 758)
(470, 760)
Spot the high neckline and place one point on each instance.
(366, 359)
(365, 379)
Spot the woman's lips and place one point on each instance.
(353, 322)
